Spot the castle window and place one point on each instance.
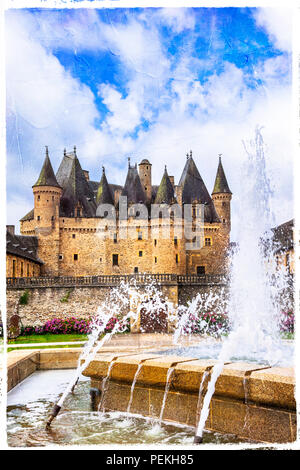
(175, 241)
(155, 242)
(52, 218)
(78, 212)
(60, 257)
(176, 259)
(73, 235)
(115, 260)
(115, 238)
(28, 270)
(140, 235)
(39, 197)
(52, 198)
(140, 254)
(100, 259)
(75, 257)
(223, 203)
(38, 218)
(136, 270)
(207, 241)
(14, 268)
(200, 270)
(224, 220)
(22, 267)
(155, 260)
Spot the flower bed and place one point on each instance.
(70, 325)
(287, 322)
(218, 324)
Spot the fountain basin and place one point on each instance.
(252, 401)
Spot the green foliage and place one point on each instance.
(66, 296)
(24, 298)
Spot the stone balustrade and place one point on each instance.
(114, 280)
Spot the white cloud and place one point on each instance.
(278, 24)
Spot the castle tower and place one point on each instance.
(146, 178)
(221, 196)
(47, 194)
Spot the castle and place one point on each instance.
(69, 233)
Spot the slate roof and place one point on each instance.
(194, 189)
(283, 239)
(221, 185)
(104, 194)
(47, 176)
(165, 193)
(28, 216)
(133, 188)
(76, 189)
(88, 194)
(22, 246)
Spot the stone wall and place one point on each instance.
(45, 303)
(85, 247)
(21, 267)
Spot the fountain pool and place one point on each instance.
(31, 401)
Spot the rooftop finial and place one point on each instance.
(187, 155)
(191, 153)
(47, 153)
(128, 162)
(220, 155)
(75, 149)
(65, 151)
(103, 170)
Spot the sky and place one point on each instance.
(148, 83)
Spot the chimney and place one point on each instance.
(87, 175)
(10, 229)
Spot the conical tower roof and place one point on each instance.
(47, 176)
(194, 189)
(165, 192)
(76, 189)
(221, 185)
(104, 195)
(133, 188)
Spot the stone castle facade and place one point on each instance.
(75, 235)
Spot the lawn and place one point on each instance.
(48, 338)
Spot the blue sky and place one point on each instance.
(149, 83)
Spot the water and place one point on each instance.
(255, 285)
(30, 403)
(168, 383)
(133, 385)
(211, 349)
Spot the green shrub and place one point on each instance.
(24, 298)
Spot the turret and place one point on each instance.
(104, 195)
(47, 193)
(146, 178)
(221, 196)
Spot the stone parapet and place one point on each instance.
(253, 401)
(114, 280)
